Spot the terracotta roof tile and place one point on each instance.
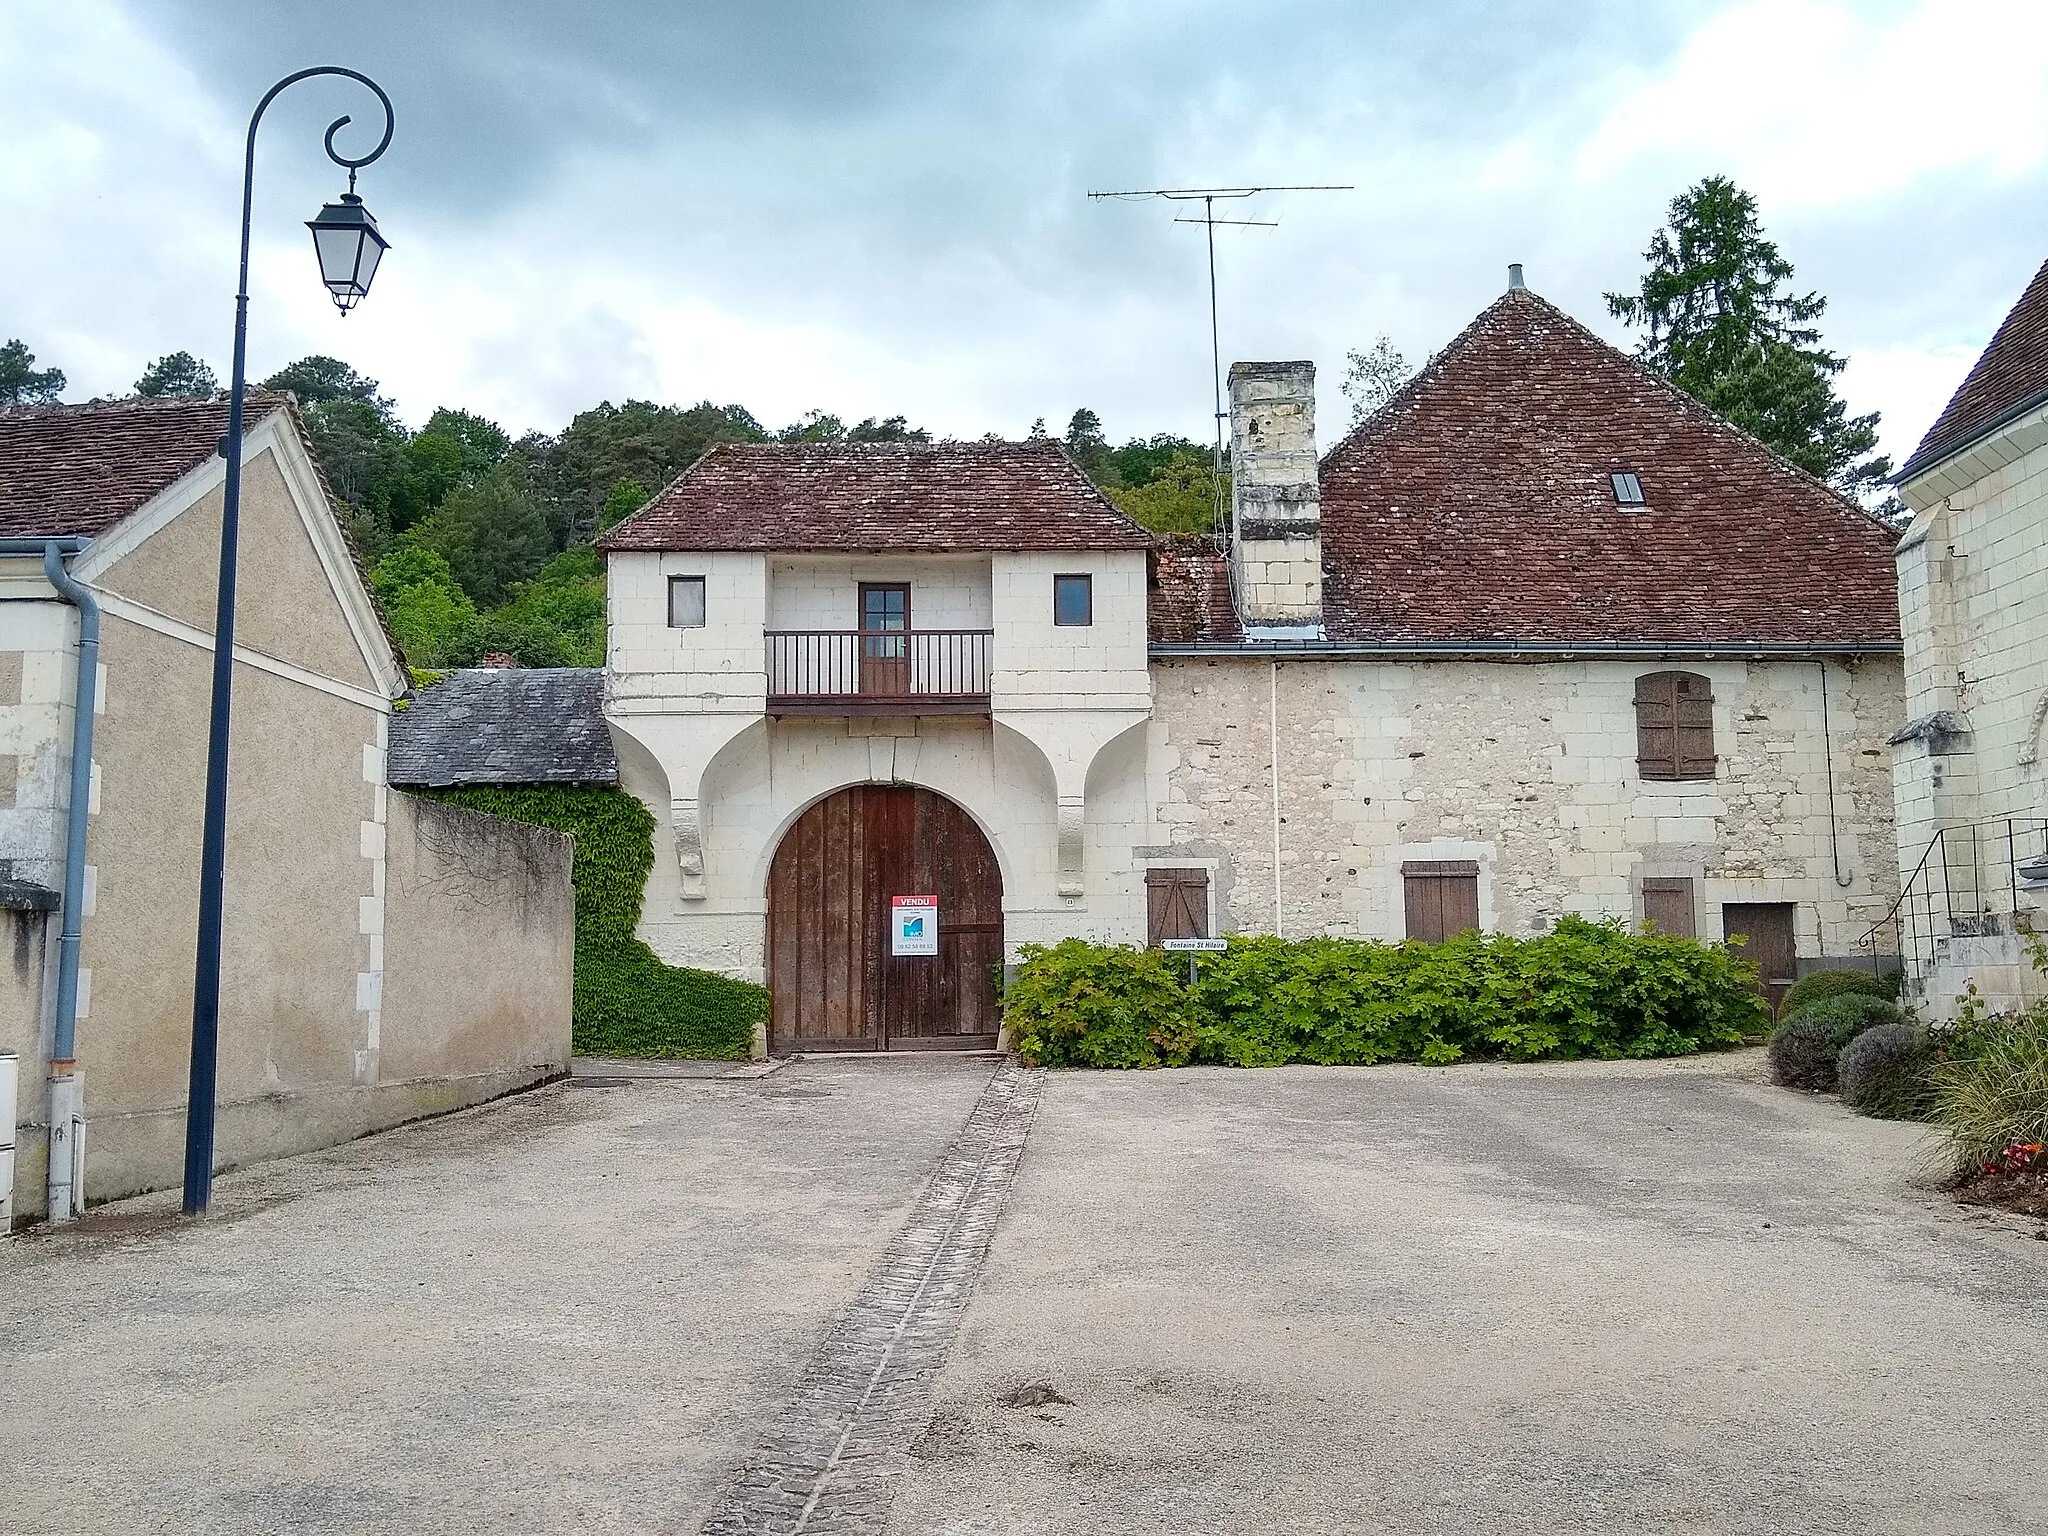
(1477, 506)
(831, 496)
(80, 469)
(2012, 374)
(1189, 601)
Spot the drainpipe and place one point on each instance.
(1273, 730)
(67, 1102)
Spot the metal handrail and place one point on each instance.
(1934, 916)
(893, 664)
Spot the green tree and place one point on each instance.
(492, 533)
(483, 443)
(22, 383)
(1087, 447)
(431, 618)
(557, 618)
(893, 429)
(1144, 459)
(573, 475)
(1181, 498)
(1373, 377)
(627, 497)
(356, 437)
(1721, 321)
(178, 375)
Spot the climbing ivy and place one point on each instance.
(628, 1003)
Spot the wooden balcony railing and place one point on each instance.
(903, 671)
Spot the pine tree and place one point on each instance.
(1722, 323)
(178, 375)
(22, 383)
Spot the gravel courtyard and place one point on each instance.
(1659, 1297)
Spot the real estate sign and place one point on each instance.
(913, 925)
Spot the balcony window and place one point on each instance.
(686, 602)
(1073, 600)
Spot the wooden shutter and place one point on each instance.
(1176, 904)
(1441, 897)
(1668, 904)
(1674, 726)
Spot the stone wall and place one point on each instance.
(1973, 597)
(1529, 770)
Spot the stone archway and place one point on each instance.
(837, 973)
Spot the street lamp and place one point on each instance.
(346, 240)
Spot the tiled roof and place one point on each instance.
(834, 496)
(543, 725)
(1477, 506)
(2011, 375)
(1189, 600)
(80, 469)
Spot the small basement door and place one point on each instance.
(837, 982)
(1767, 929)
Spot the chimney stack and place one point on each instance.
(1515, 283)
(1276, 543)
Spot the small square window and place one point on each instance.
(686, 602)
(1628, 488)
(1073, 600)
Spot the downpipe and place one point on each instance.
(66, 1186)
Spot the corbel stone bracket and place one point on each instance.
(686, 817)
(1072, 822)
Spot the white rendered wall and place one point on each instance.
(823, 591)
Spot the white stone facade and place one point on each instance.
(1529, 770)
(1973, 598)
(1053, 771)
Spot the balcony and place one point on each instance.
(879, 671)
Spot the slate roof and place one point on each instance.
(511, 725)
(931, 497)
(2008, 380)
(80, 469)
(1477, 506)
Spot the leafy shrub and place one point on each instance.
(1884, 1071)
(1584, 990)
(628, 1003)
(1089, 1005)
(1825, 984)
(1809, 1040)
(1802, 1051)
(1990, 1084)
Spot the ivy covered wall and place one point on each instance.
(628, 1003)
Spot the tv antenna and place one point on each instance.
(1209, 197)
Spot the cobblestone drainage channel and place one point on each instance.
(865, 1395)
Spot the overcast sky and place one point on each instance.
(877, 206)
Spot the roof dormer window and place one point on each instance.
(1628, 489)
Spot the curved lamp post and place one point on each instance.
(346, 240)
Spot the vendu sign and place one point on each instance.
(913, 925)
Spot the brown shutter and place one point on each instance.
(1674, 726)
(1441, 897)
(1176, 904)
(1669, 905)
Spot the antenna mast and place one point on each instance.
(1209, 197)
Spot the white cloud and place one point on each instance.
(1811, 104)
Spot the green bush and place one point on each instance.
(1808, 1041)
(1088, 1005)
(1990, 1084)
(1825, 984)
(1584, 990)
(1884, 1071)
(628, 1003)
(1803, 1051)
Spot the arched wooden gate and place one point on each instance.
(838, 983)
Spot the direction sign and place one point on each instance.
(1195, 946)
